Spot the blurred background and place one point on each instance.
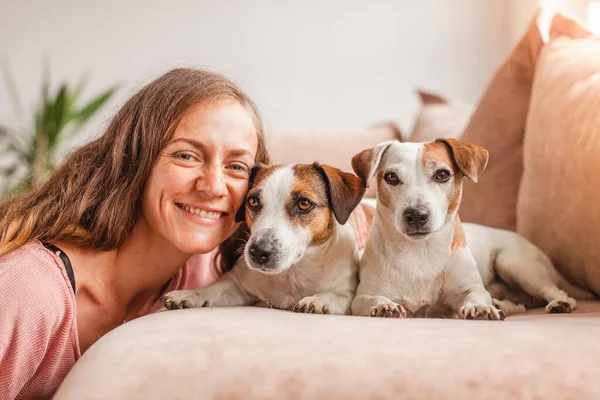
(68, 65)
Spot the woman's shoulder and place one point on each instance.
(32, 279)
(38, 323)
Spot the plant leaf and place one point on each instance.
(94, 105)
(74, 96)
(59, 116)
(45, 82)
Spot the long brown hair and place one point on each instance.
(93, 199)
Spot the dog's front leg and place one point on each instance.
(377, 306)
(325, 303)
(225, 292)
(464, 291)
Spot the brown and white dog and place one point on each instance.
(416, 260)
(300, 256)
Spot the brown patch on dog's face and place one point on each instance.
(436, 156)
(319, 221)
(263, 172)
(459, 241)
(383, 191)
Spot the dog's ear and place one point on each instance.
(367, 161)
(240, 215)
(344, 191)
(470, 159)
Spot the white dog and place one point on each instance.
(416, 261)
(300, 255)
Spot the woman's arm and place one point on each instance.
(38, 337)
(360, 221)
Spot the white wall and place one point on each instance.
(522, 11)
(310, 65)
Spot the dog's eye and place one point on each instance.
(253, 202)
(442, 175)
(304, 204)
(391, 178)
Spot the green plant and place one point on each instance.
(29, 155)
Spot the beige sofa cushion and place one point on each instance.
(498, 124)
(559, 202)
(439, 117)
(251, 353)
(333, 148)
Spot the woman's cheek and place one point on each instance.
(238, 193)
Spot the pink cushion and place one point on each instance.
(332, 148)
(252, 353)
(560, 192)
(440, 117)
(498, 125)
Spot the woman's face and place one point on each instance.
(201, 177)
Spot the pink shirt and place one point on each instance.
(38, 321)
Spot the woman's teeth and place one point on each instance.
(202, 213)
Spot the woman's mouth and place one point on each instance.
(206, 214)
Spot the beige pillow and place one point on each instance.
(498, 124)
(332, 148)
(439, 117)
(559, 200)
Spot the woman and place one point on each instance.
(115, 226)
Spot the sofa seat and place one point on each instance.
(255, 353)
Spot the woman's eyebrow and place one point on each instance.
(200, 146)
(239, 153)
(193, 142)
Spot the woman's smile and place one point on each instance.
(202, 214)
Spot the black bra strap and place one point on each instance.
(65, 259)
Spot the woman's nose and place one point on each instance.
(212, 182)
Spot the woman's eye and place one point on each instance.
(304, 204)
(253, 202)
(441, 175)
(391, 178)
(185, 156)
(238, 167)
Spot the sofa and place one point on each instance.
(539, 120)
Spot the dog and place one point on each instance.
(421, 261)
(300, 256)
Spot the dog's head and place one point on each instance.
(292, 208)
(421, 183)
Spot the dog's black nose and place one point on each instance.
(416, 217)
(260, 252)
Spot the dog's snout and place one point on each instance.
(260, 252)
(416, 217)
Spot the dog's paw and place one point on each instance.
(481, 312)
(312, 305)
(559, 307)
(186, 299)
(388, 310)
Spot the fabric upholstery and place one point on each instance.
(332, 148)
(560, 191)
(253, 353)
(439, 117)
(498, 125)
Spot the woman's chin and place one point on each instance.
(199, 244)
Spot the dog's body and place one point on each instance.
(300, 255)
(420, 260)
(518, 274)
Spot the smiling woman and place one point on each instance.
(115, 227)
